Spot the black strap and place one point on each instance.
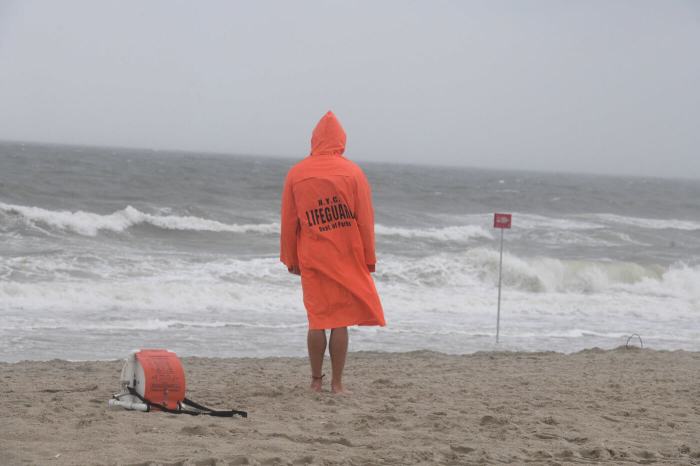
(213, 412)
(202, 409)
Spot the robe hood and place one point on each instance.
(328, 137)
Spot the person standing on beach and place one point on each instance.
(327, 237)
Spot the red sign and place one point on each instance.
(501, 220)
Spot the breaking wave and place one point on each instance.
(576, 222)
(648, 223)
(479, 266)
(197, 285)
(523, 221)
(89, 223)
(449, 233)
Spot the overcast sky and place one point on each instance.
(586, 86)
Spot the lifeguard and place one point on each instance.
(328, 238)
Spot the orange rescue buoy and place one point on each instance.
(154, 380)
(163, 377)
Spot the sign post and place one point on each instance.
(501, 221)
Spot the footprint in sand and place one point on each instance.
(491, 421)
(576, 440)
(566, 453)
(206, 462)
(645, 454)
(541, 455)
(194, 430)
(274, 461)
(461, 449)
(308, 459)
(593, 453)
(239, 460)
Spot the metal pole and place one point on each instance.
(500, 267)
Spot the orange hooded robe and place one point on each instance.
(328, 233)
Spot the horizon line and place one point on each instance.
(290, 157)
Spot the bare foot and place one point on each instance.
(338, 389)
(316, 383)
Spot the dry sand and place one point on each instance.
(620, 406)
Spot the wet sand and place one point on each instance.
(619, 406)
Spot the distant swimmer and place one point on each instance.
(328, 238)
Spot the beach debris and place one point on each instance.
(641, 343)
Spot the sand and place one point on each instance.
(619, 406)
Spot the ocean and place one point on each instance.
(106, 250)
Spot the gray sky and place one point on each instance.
(597, 86)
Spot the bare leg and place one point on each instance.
(339, 351)
(316, 343)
